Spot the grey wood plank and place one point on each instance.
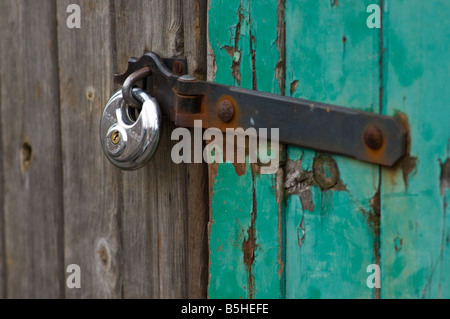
(140, 234)
(31, 150)
(195, 36)
(92, 186)
(139, 220)
(3, 281)
(195, 46)
(170, 178)
(165, 205)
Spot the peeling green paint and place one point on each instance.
(249, 228)
(416, 70)
(287, 235)
(335, 60)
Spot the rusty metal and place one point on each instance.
(225, 110)
(373, 137)
(362, 135)
(135, 64)
(326, 172)
(178, 67)
(163, 80)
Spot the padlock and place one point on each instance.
(129, 138)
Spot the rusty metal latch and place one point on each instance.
(365, 136)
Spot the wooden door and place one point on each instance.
(291, 234)
(134, 234)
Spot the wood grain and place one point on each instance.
(139, 216)
(31, 151)
(3, 283)
(135, 235)
(195, 26)
(164, 212)
(92, 186)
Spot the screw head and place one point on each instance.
(178, 68)
(373, 137)
(115, 137)
(225, 111)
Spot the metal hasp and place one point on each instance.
(361, 135)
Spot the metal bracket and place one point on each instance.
(365, 136)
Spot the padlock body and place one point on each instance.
(130, 139)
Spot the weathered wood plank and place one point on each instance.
(230, 219)
(332, 235)
(415, 216)
(92, 186)
(139, 218)
(133, 234)
(246, 223)
(3, 281)
(195, 36)
(31, 154)
(165, 207)
(181, 189)
(195, 46)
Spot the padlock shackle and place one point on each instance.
(130, 83)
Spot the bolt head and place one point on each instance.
(373, 137)
(225, 111)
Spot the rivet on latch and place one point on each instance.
(373, 137)
(225, 111)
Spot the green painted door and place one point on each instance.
(295, 234)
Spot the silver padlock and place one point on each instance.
(129, 139)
